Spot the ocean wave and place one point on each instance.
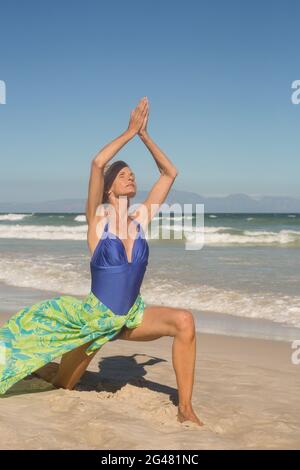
(246, 237)
(80, 218)
(47, 273)
(72, 276)
(14, 217)
(204, 235)
(44, 232)
(269, 306)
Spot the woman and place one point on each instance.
(114, 308)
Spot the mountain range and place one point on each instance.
(233, 203)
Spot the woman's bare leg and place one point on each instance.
(157, 322)
(179, 323)
(72, 366)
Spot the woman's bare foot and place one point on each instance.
(47, 372)
(188, 414)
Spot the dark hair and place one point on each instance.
(110, 172)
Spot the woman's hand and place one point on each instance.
(137, 116)
(143, 130)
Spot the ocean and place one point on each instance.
(241, 277)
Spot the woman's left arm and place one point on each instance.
(162, 186)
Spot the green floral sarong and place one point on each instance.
(37, 334)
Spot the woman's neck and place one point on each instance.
(119, 210)
(119, 222)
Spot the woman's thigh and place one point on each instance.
(158, 321)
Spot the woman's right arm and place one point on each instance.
(96, 186)
(96, 182)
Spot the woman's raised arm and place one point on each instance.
(161, 188)
(96, 182)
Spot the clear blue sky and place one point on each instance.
(217, 74)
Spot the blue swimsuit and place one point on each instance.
(115, 281)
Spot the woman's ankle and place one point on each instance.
(185, 407)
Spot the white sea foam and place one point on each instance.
(80, 218)
(44, 232)
(212, 235)
(278, 308)
(49, 273)
(13, 217)
(246, 237)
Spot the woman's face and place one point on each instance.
(124, 184)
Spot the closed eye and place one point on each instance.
(124, 174)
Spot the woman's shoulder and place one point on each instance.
(95, 228)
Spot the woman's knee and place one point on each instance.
(185, 323)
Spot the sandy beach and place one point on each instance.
(246, 391)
